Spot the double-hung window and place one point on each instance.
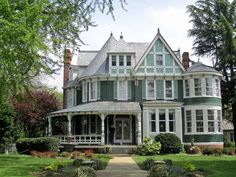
(84, 91)
(162, 120)
(211, 121)
(197, 86)
(217, 82)
(150, 89)
(189, 120)
(208, 86)
(92, 89)
(199, 120)
(159, 59)
(172, 120)
(152, 121)
(219, 120)
(113, 60)
(122, 90)
(169, 89)
(69, 98)
(187, 87)
(121, 60)
(128, 60)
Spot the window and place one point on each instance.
(209, 86)
(199, 120)
(150, 89)
(197, 86)
(171, 120)
(211, 122)
(113, 60)
(69, 100)
(219, 120)
(84, 91)
(121, 60)
(159, 59)
(169, 89)
(162, 120)
(128, 60)
(92, 90)
(187, 87)
(189, 120)
(122, 90)
(152, 119)
(217, 87)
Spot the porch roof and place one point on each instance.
(101, 107)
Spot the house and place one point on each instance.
(142, 89)
(228, 130)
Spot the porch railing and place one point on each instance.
(80, 139)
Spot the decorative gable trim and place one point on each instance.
(158, 36)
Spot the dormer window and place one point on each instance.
(113, 60)
(128, 60)
(159, 59)
(121, 60)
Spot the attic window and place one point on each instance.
(128, 60)
(113, 60)
(159, 59)
(121, 60)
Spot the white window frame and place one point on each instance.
(201, 84)
(84, 92)
(172, 89)
(95, 91)
(126, 57)
(112, 60)
(119, 57)
(150, 112)
(185, 88)
(147, 94)
(219, 121)
(118, 90)
(210, 120)
(199, 121)
(188, 121)
(165, 121)
(158, 54)
(69, 98)
(210, 86)
(174, 120)
(217, 89)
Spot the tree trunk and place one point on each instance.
(234, 120)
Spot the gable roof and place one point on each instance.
(200, 67)
(158, 36)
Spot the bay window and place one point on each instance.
(197, 86)
(189, 120)
(84, 88)
(171, 120)
(199, 120)
(121, 60)
(128, 60)
(152, 121)
(113, 60)
(211, 121)
(217, 82)
(219, 120)
(187, 87)
(162, 120)
(208, 86)
(150, 89)
(92, 91)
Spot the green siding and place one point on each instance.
(143, 89)
(178, 70)
(107, 90)
(169, 70)
(168, 60)
(203, 101)
(160, 89)
(114, 71)
(150, 60)
(121, 71)
(128, 71)
(98, 90)
(138, 91)
(176, 89)
(159, 46)
(180, 90)
(115, 90)
(141, 70)
(203, 138)
(160, 70)
(142, 64)
(79, 97)
(150, 70)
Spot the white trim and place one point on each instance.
(118, 90)
(146, 85)
(172, 89)
(84, 91)
(95, 93)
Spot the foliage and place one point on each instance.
(76, 154)
(189, 149)
(32, 109)
(158, 171)
(25, 145)
(85, 172)
(189, 166)
(170, 143)
(213, 29)
(97, 164)
(77, 162)
(51, 154)
(212, 151)
(89, 153)
(148, 164)
(55, 166)
(229, 144)
(149, 147)
(229, 151)
(65, 154)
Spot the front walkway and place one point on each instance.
(122, 167)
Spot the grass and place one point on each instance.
(104, 158)
(218, 166)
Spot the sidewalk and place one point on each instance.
(122, 167)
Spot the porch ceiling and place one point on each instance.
(101, 107)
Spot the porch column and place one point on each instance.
(49, 126)
(179, 124)
(139, 129)
(69, 124)
(103, 130)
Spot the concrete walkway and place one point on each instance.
(122, 167)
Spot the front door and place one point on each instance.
(123, 133)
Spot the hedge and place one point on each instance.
(25, 145)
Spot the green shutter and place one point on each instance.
(143, 89)
(98, 90)
(160, 89)
(129, 90)
(176, 89)
(115, 89)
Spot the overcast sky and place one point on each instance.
(139, 24)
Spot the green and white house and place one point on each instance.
(143, 89)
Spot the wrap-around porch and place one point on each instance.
(91, 124)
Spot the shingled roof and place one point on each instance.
(200, 67)
(85, 57)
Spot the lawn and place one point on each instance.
(218, 166)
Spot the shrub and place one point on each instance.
(75, 154)
(168, 162)
(207, 151)
(149, 147)
(25, 145)
(55, 166)
(189, 166)
(159, 171)
(85, 172)
(89, 153)
(192, 149)
(212, 151)
(65, 154)
(51, 154)
(148, 164)
(170, 143)
(97, 164)
(77, 162)
(229, 151)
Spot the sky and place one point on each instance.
(139, 23)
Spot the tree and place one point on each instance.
(214, 25)
(33, 32)
(32, 109)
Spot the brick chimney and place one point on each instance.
(67, 63)
(185, 60)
